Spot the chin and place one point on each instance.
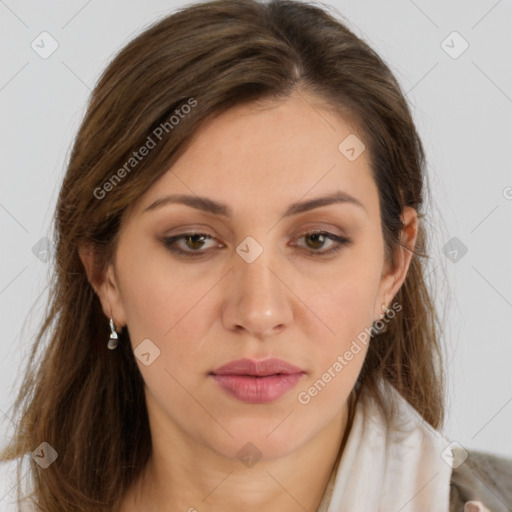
(273, 439)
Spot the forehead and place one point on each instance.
(268, 153)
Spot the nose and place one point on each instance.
(258, 299)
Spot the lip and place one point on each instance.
(261, 368)
(257, 382)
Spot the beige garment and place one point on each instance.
(404, 468)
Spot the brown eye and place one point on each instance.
(196, 241)
(192, 243)
(315, 240)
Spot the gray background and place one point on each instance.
(463, 110)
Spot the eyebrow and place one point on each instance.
(210, 206)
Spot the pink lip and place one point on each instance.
(257, 382)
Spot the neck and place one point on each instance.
(182, 476)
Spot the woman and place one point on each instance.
(239, 317)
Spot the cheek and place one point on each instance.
(159, 298)
(339, 351)
(329, 388)
(340, 340)
(344, 307)
(173, 309)
(342, 294)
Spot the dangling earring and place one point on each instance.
(113, 339)
(385, 309)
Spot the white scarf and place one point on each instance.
(386, 470)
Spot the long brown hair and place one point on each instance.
(87, 402)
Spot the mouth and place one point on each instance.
(257, 382)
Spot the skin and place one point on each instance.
(202, 312)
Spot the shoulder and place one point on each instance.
(482, 477)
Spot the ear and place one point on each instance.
(393, 278)
(104, 283)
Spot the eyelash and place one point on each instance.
(169, 242)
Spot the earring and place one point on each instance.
(113, 339)
(385, 309)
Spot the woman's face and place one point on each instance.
(257, 285)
